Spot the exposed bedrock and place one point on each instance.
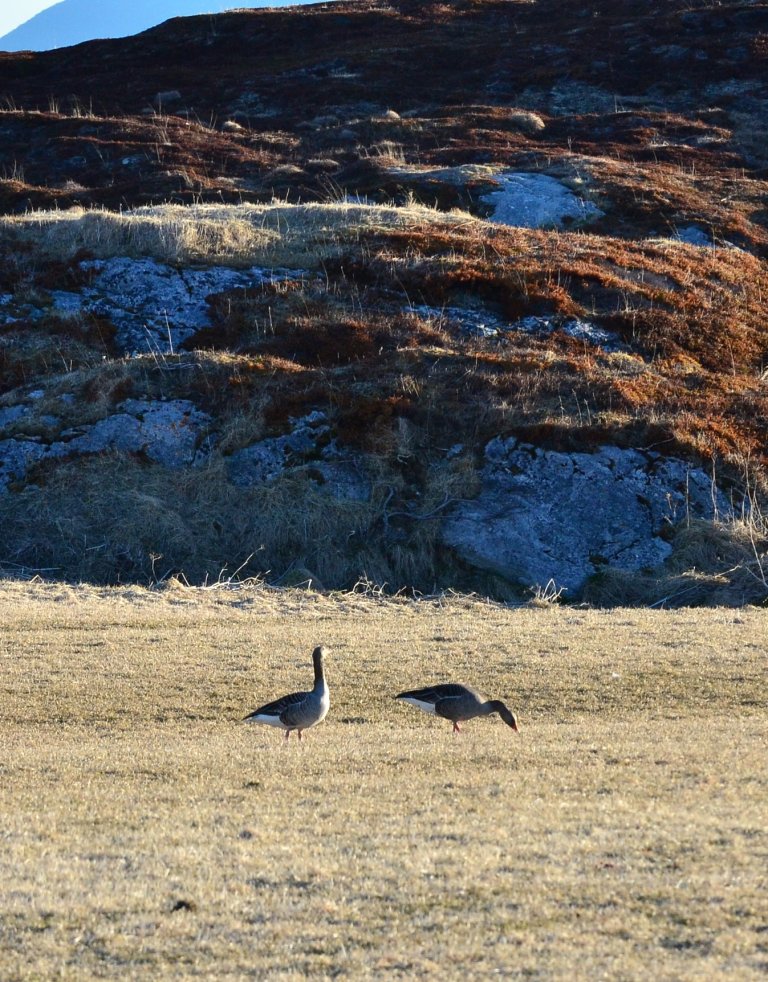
(543, 515)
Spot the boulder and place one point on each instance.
(536, 201)
(544, 515)
(308, 448)
(167, 432)
(153, 306)
(16, 456)
(12, 414)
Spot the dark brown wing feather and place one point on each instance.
(281, 708)
(436, 693)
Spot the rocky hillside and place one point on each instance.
(468, 295)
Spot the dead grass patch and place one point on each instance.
(196, 525)
(146, 831)
(265, 235)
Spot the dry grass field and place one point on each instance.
(147, 833)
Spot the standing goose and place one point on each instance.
(299, 710)
(456, 703)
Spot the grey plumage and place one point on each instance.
(299, 710)
(457, 703)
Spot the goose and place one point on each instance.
(456, 703)
(299, 710)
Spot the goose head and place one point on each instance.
(506, 714)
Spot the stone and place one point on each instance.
(309, 449)
(16, 456)
(11, 414)
(545, 515)
(167, 432)
(261, 462)
(536, 201)
(268, 459)
(154, 306)
(170, 433)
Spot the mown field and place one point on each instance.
(147, 833)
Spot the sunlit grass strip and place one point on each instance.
(272, 235)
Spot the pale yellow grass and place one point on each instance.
(622, 834)
(249, 234)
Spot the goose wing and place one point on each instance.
(287, 708)
(433, 694)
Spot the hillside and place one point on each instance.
(466, 295)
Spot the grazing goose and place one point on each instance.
(456, 703)
(299, 710)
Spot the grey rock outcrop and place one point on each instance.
(536, 201)
(16, 457)
(169, 433)
(543, 515)
(153, 306)
(12, 414)
(308, 446)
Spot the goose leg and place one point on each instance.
(299, 732)
(287, 734)
(456, 728)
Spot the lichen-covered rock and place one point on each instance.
(267, 459)
(154, 306)
(310, 447)
(543, 515)
(167, 432)
(16, 456)
(11, 414)
(260, 462)
(536, 201)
